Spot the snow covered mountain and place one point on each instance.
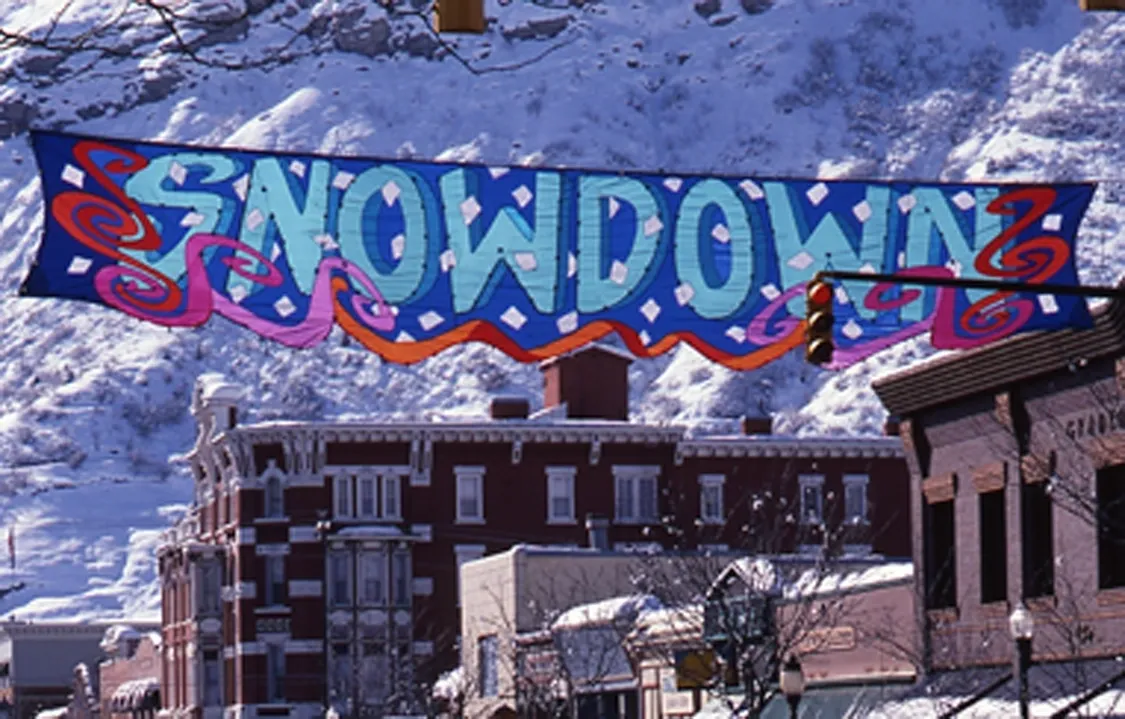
(92, 403)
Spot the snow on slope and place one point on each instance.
(92, 403)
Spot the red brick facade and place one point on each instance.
(387, 512)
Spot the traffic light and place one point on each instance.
(818, 322)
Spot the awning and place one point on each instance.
(136, 696)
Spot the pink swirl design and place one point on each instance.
(759, 330)
(370, 309)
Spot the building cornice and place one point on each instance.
(571, 432)
(775, 446)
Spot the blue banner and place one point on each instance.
(411, 257)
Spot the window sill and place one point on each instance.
(631, 522)
(273, 609)
(469, 520)
(271, 520)
(561, 522)
(712, 521)
(1044, 603)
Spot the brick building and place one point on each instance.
(319, 562)
(1017, 457)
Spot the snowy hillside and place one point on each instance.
(92, 403)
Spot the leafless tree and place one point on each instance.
(767, 609)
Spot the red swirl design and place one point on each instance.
(1034, 260)
(107, 228)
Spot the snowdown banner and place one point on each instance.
(409, 258)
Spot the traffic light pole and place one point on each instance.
(1041, 288)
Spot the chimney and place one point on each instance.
(597, 528)
(891, 426)
(592, 382)
(509, 408)
(756, 425)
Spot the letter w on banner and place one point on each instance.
(409, 258)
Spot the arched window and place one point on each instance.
(275, 502)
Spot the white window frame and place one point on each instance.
(379, 557)
(342, 489)
(713, 483)
(333, 599)
(854, 482)
(633, 476)
(366, 481)
(273, 495)
(210, 592)
(466, 553)
(812, 481)
(400, 580)
(275, 673)
(391, 486)
(468, 476)
(274, 564)
(561, 477)
(216, 662)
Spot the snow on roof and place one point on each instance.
(117, 634)
(54, 713)
(214, 386)
(608, 349)
(607, 611)
(813, 583)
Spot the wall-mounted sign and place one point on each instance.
(272, 625)
(410, 258)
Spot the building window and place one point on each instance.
(560, 495)
(635, 499)
(373, 578)
(401, 578)
(855, 499)
(210, 587)
(470, 494)
(275, 497)
(275, 674)
(275, 581)
(212, 679)
(940, 555)
(1111, 526)
(342, 496)
(339, 571)
(993, 547)
(466, 553)
(812, 499)
(342, 678)
(488, 661)
(376, 669)
(1038, 541)
(711, 509)
(367, 497)
(392, 501)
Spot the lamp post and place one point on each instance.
(1022, 626)
(792, 681)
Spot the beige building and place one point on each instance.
(527, 590)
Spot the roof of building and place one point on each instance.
(594, 347)
(606, 611)
(957, 375)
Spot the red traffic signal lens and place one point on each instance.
(820, 293)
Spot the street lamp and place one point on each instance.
(792, 681)
(1022, 626)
